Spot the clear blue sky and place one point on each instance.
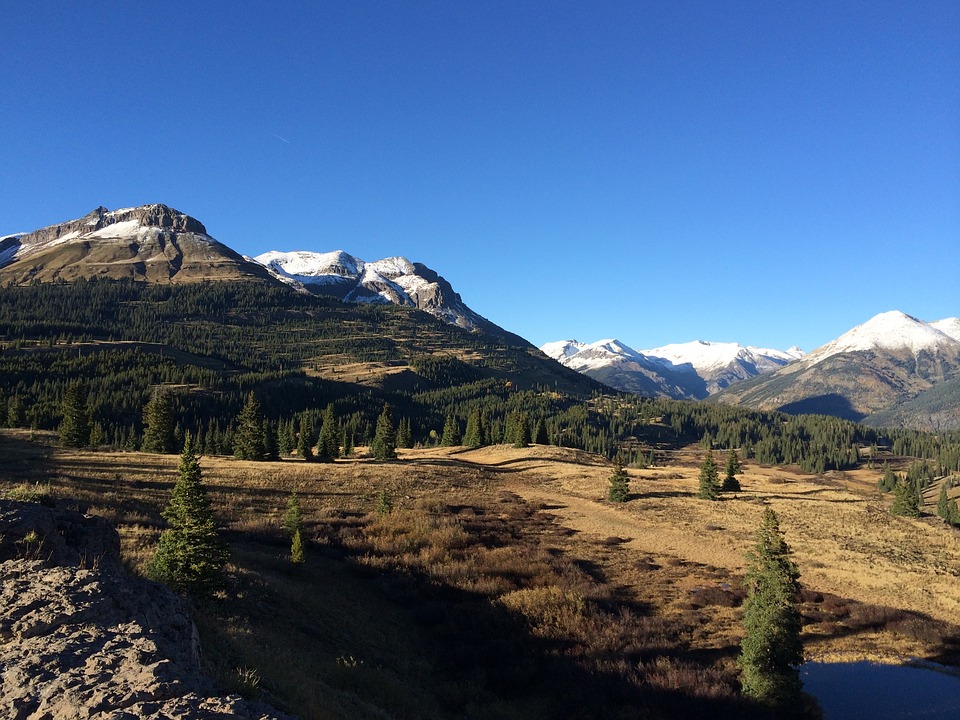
(766, 172)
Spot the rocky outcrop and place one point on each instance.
(80, 638)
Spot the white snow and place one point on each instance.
(702, 355)
(304, 264)
(948, 326)
(393, 267)
(560, 349)
(125, 229)
(893, 330)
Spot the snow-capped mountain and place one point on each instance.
(889, 361)
(152, 242)
(683, 371)
(155, 243)
(393, 280)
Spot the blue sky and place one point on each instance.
(762, 172)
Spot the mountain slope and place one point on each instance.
(692, 370)
(154, 243)
(874, 367)
(392, 280)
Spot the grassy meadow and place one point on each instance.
(502, 583)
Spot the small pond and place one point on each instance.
(868, 691)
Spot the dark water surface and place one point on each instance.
(866, 691)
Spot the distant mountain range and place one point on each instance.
(892, 370)
(158, 244)
(688, 371)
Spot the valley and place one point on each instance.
(503, 582)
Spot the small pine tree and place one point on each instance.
(540, 435)
(296, 548)
(248, 441)
(888, 482)
(190, 556)
(619, 485)
(305, 438)
(293, 518)
(451, 432)
(521, 431)
(346, 441)
(772, 650)
(709, 481)
(384, 439)
(906, 500)
(730, 482)
(328, 445)
(384, 502)
(75, 428)
(404, 434)
(158, 433)
(271, 442)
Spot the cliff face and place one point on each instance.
(80, 638)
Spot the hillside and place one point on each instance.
(878, 372)
(503, 583)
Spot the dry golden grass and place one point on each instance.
(503, 584)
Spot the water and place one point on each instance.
(867, 691)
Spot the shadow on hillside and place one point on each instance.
(25, 457)
(829, 404)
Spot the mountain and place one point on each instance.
(151, 243)
(157, 244)
(693, 370)
(392, 280)
(891, 361)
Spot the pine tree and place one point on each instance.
(296, 548)
(709, 482)
(347, 442)
(521, 431)
(771, 651)
(451, 432)
(158, 433)
(305, 438)
(248, 442)
(190, 556)
(906, 500)
(384, 439)
(540, 435)
(328, 445)
(730, 482)
(271, 442)
(888, 482)
(476, 435)
(75, 428)
(293, 518)
(404, 434)
(619, 485)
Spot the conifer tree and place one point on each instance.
(404, 434)
(158, 432)
(248, 442)
(476, 434)
(384, 439)
(730, 482)
(709, 481)
(451, 432)
(346, 442)
(906, 500)
(619, 485)
(888, 482)
(771, 651)
(296, 548)
(271, 442)
(328, 445)
(293, 518)
(540, 435)
(75, 428)
(521, 430)
(946, 508)
(305, 438)
(190, 556)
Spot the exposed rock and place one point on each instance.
(80, 638)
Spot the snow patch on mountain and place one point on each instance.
(891, 331)
(393, 280)
(948, 326)
(702, 356)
